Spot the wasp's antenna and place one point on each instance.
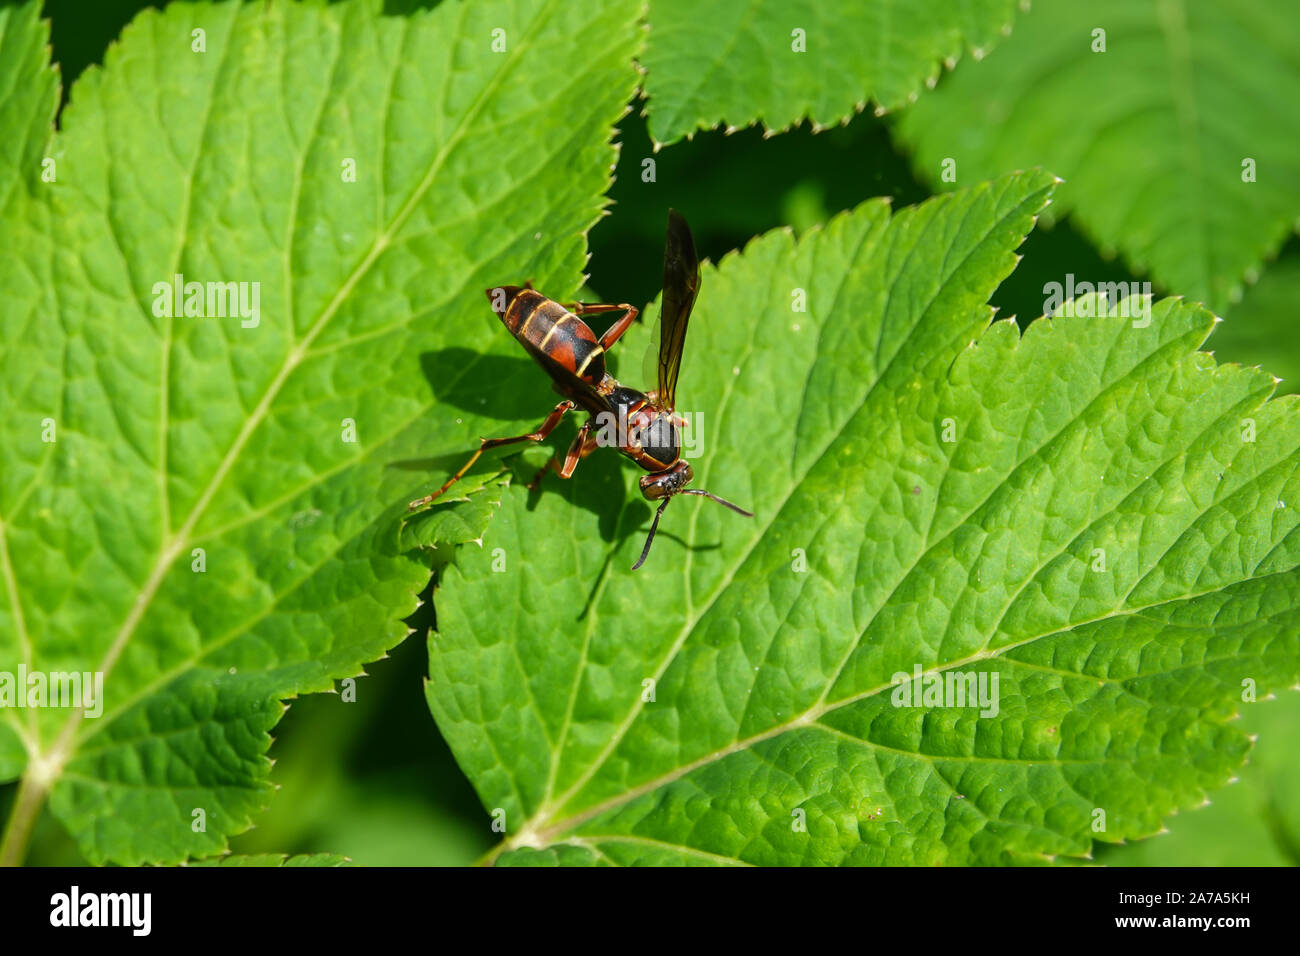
(654, 526)
(721, 501)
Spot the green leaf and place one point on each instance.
(458, 517)
(217, 143)
(611, 851)
(278, 859)
(28, 96)
(1262, 329)
(1254, 822)
(1150, 135)
(769, 733)
(741, 64)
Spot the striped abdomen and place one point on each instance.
(552, 334)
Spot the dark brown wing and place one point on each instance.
(681, 285)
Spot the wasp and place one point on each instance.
(649, 429)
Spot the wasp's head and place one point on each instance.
(662, 486)
(665, 484)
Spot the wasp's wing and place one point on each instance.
(681, 284)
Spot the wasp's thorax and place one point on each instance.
(665, 484)
(648, 435)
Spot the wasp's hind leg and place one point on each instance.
(584, 443)
(544, 429)
(615, 331)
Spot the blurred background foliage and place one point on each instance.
(373, 779)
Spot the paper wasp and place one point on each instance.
(561, 343)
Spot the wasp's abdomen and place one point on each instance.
(554, 334)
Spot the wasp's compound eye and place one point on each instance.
(655, 487)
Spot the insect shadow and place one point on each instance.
(503, 387)
(507, 388)
(633, 525)
(494, 386)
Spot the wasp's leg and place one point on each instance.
(584, 443)
(544, 429)
(615, 331)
